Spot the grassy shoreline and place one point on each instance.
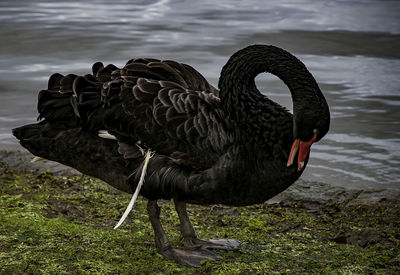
(55, 225)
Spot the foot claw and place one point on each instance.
(225, 244)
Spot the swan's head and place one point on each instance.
(310, 124)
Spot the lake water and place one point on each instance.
(351, 47)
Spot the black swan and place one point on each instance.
(231, 146)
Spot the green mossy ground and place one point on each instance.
(59, 225)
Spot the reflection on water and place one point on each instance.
(351, 47)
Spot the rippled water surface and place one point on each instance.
(351, 47)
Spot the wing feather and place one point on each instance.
(166, 105)
(173, 109)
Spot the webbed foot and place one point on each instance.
(189, 256)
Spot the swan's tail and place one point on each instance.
(71, 113)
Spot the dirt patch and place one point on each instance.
(56, 208)
(362, 238)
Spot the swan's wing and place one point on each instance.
(167, 106)
(170, 108)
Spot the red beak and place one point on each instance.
(304, 149)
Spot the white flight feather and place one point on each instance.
(105, 134)
(135, 195)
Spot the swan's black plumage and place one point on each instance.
(227, 146)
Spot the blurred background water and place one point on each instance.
(351, 47)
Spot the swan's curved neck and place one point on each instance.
(238, 91)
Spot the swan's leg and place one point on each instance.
(189, 235)
(183, 256)
(162, 242)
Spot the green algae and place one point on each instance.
(59, 225)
